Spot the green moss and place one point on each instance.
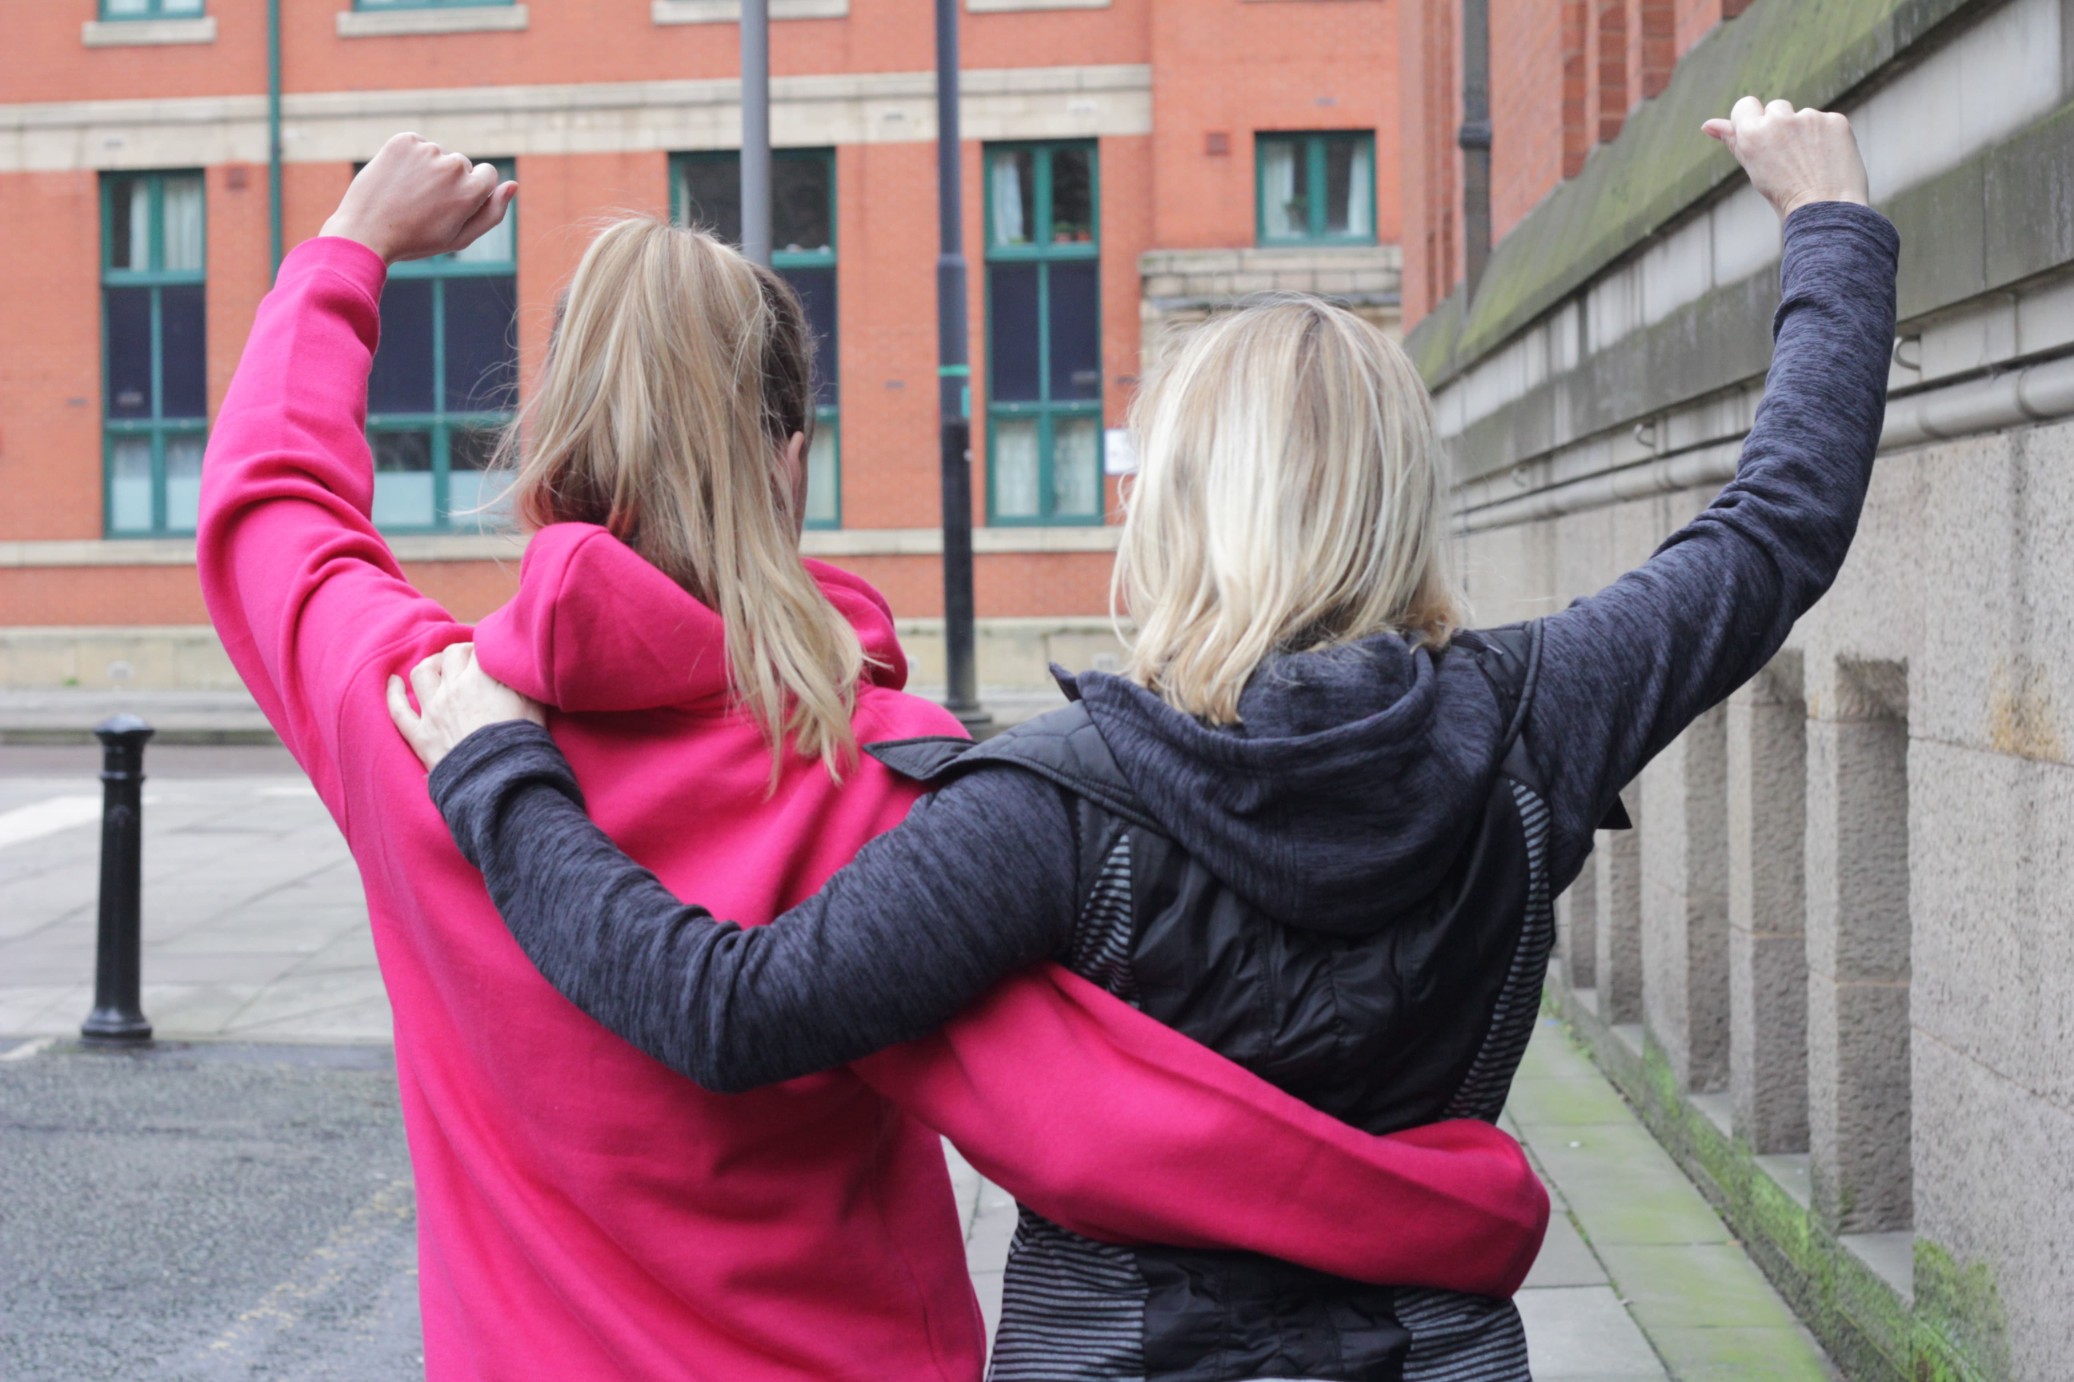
(1962, 1329)
(1956, 1329)
(1661, 164)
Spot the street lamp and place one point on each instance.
(756, 131)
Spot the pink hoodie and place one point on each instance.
(583, 1211)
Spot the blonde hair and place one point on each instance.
(676, 376)
(1288, 498)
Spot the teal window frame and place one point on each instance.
(1313, 143)
(827, 416)
(1043, 253)
(157, 427)
(441, 422)
(154, 9)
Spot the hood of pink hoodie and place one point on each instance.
(594, 627)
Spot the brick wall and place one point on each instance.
(1565, 74)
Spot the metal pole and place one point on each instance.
(756, 130)
(273, 135)
(954, 377)
(1475, 139)
(117, 1014)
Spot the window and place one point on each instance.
(1044, 334)
(1316, 189)
(151, 9)
(444, 384)
(706, 191)
(154, 361)
(425, 4)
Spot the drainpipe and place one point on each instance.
(1475, 138)
(273, 135)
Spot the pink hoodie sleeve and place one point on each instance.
(1120, 1128)
(302, 589)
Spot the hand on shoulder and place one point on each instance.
(457, 698)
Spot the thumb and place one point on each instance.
(1723, 130)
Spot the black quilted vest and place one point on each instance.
(1423, 1018)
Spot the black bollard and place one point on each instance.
(118, 967)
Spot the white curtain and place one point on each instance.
(1278, 188)
(140, 225)
(493, 248)
(1076, 474)
(1010, 217)
(183, 212)
(1015, 468)
(1360, 194)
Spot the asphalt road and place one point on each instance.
(205, 1212)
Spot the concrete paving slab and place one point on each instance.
(1624, 1186)
(1740, 1355)
(1584, 1334)
(1566, 1259)
(1694, 1285)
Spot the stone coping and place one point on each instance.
(730, 11)
(441, 19)
(139, 33)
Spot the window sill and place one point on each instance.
(463, 19)
(140, 33)
(730, 11)
(1004, 6)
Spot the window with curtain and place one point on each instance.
(1316, 189)
(706, 191)
(155, 378)
(445, 385)
(1044, 334)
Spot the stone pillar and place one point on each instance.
(1858, 950)
(1617, 920)
(1767, 949)
(1577, 925)
(1685, 903)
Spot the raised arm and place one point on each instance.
(1088, 1111)
(1624, 671)
(302, 589)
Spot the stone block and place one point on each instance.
(1767, 801)
(1858, 1104)
(1997, 669)
(1857, 857)
(1768, 1040)
(1617, 892)
(1992, 891)
(1685, 903)
(1994, 1216)
(1577, 921)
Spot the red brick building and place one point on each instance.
(1127, 163)
(1564, 75)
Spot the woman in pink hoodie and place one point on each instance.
(583, 1211)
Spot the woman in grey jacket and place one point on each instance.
(1314, 824)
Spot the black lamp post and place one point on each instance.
(954, 377)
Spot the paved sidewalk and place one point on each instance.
(255, 933)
